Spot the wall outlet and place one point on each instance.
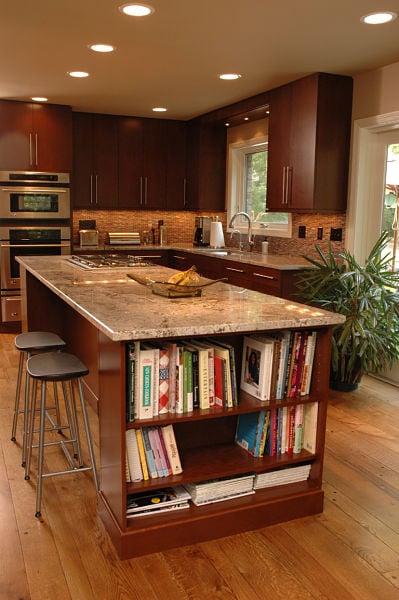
(320, 233)
(336, 234)
(302, 231)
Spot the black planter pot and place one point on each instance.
(343, 386)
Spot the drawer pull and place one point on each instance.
(264, 276)
(236, 270)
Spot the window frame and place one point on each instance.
(235, 189)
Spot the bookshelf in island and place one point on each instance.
(101, 316)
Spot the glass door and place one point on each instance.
(390, 220)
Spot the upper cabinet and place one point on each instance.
(152, 163)
(35, 137)
(206, 168)
(95, 161)
(309, 134)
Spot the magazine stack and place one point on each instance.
(216, 490)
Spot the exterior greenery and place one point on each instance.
(368, 296)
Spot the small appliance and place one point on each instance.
(202, 234)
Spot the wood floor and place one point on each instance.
(351, 551)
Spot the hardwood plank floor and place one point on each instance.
(349, 552)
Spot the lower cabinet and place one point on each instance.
(208, 451)
(281, 283)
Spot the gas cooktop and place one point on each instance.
(107, 261)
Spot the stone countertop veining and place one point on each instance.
(126, 310)
(282, 262)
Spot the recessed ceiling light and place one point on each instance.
(159, 109)
(137, 10)
(39, 99)
(378, 18)
(78, 74)
(229, 76)
(102, 47)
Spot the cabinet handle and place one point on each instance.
(91, 189)
(141, 191)
(289, 185)
(36, 150)
(235, 270)
(96, 190)
(30, 150)
(264, 276)
(145, 190)
(184, 192)
(177, 257)
(284, 194)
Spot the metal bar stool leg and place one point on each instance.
(17, 395)
(88, 433)
(41, 453)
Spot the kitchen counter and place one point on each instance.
(276, 261)
(125, 310)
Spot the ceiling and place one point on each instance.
(173, 57)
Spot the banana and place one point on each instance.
(189, 277)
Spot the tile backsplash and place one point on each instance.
(181, 225)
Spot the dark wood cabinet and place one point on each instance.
(151, 166)
(95, 161)
(35, 137)
(276, 282)
(309, 135)
(206, 167)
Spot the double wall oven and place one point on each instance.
(35, 219)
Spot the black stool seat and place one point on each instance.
(56, 366)
(37, 341)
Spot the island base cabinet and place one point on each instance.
(206, 442)
(156, 534)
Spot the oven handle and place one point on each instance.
(6, 245)
(29, 190)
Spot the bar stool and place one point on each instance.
(28, 344)
(65, 368)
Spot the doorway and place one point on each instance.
(366, 207)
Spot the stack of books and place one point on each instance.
(279, 430)
(151, 452)
(282, 476)
(179, 377)
(158, 501)
(278, 366)
(217, 490)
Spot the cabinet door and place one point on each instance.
(35, 137)
(206, 169)
(105, 160)
(309, 136)
(53, 145)
(176, 178)
(95, 160)
(15, 127)
(82, 173)
(154, 164)
(292, 143)
(130, 162)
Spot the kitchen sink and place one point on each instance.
(228, 252)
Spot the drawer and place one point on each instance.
(11, 309)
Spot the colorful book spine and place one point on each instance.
(171, 449)
(143, 460)
(163, 381)
(152, 469)
(145, 391)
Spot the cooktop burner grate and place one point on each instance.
(108, 261)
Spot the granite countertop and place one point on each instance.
(282, 262)
(126, 310)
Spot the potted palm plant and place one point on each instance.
(368, 340)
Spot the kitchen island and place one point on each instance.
(98, 314)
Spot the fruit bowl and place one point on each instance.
(174, 290)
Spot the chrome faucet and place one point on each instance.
(250, 236)
(239, 238)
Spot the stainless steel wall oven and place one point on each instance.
(35, 219)
(29, 195)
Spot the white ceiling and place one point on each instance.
(173, 57)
